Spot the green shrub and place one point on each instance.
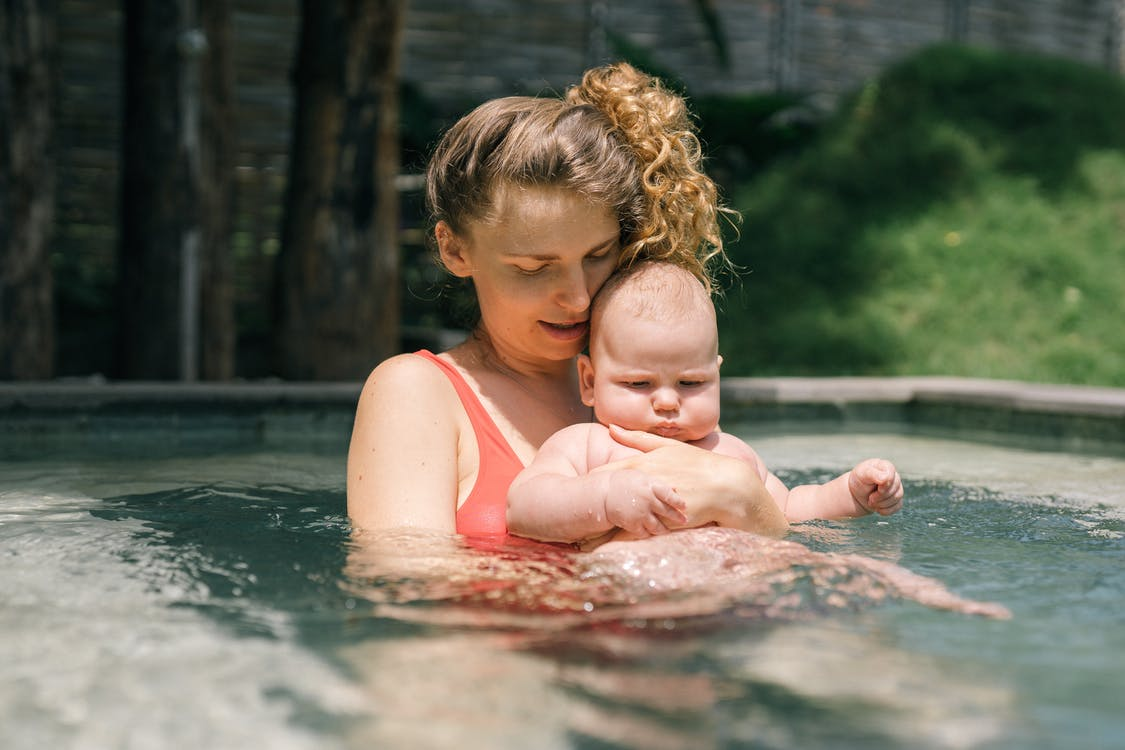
(962, 214)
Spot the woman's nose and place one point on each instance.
(573, 293)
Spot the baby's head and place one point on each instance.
(654, 360)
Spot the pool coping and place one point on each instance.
(746, 391)
(998, 394)
(44, 415)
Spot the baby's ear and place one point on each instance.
(720, 360)
(586, 379)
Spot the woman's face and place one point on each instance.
(536, 268)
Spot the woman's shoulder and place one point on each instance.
(406, 373)
(406, 394)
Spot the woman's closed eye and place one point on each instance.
(601, 255)
(531, 271)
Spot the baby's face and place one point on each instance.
(660, 377)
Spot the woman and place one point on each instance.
(537, 201)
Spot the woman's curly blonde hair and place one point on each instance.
(680, 222)
(620, 138)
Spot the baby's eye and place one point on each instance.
(691, 383)
(636, 384)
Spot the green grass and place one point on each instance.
(962, 215)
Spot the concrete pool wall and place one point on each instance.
(100, 415)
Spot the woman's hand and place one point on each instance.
(714, 488)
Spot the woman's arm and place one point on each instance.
(716, 488)
(403, 458)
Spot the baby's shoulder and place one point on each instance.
(587, 445)
(727, 445)
(583, 434)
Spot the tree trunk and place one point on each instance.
(27, 188)
(161, 229)
(337, 301)
(219, 147)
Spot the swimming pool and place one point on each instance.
(210, 595)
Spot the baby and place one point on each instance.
(654, 366)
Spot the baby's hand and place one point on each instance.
(876, 486)
(641, 505)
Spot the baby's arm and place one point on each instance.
(556, 498)
(872, 486)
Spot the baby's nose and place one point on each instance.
(665, 399)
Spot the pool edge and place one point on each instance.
(276, 412)
(1050, 398)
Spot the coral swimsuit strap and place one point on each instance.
(484, 512)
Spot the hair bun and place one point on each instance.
(653, 122)
(649, 118)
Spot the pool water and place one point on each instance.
(221, 602)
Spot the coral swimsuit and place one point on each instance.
(484, 512)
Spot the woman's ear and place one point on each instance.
(586, 379)
(451, 249)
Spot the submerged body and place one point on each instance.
(694, 573)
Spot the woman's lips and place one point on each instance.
(565, 331)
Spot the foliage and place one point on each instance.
(742, 134)
(962, 214)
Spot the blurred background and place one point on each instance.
(231, 189)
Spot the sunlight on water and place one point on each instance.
(221, 602)
(1018, 473)
(102, 648)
